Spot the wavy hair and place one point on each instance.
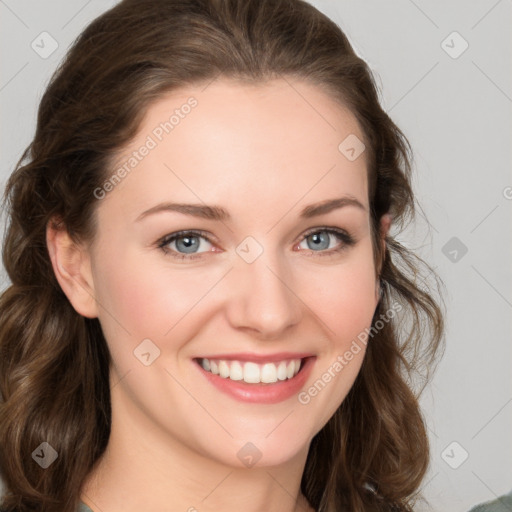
(373, 453)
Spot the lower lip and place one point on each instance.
(272, 393)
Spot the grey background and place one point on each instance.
(456, 114)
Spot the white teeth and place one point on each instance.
(269, 373)
(236, 371)
(281, 371)
(223, 369)
(290, 369)
(252, 373)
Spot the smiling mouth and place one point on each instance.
(251, 372)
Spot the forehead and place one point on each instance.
(277, 141)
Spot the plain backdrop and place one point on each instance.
(444, 70)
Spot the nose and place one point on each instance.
(263, 300)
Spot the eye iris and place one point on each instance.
(322, 237)
(191, 244)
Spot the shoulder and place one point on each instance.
(501, 504)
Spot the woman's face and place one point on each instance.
(262, 285)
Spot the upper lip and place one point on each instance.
(247, 356)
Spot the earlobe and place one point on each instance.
(71, 265)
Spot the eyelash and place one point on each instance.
(347, 240)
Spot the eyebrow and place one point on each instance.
(218, 213)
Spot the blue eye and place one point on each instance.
(188, 243)
(318, 240)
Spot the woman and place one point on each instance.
(207, 309)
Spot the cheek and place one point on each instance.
(345, 299)
(345, 304)
(146, 300)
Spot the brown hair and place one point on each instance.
(373, 453)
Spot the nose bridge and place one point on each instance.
(263, 298)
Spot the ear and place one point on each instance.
(72, 268)
(385, 225)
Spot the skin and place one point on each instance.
(263, 153)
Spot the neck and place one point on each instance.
(144, 469)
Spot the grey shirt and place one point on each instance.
(82, 507)
(501, 504)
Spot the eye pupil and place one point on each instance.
(322, 237)
(191, 242)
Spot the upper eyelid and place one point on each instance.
(312, 230)
(179, 234)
